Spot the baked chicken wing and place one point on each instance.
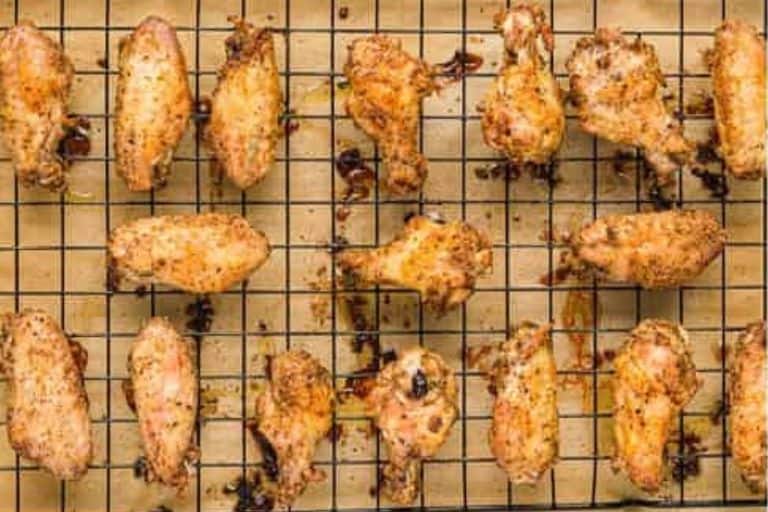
(654, 379)
(153, 103)
(414, 404)
(35, 82)
(747, 406)
(524, 428)
(441, 261)
(243, 128)
(616, 89)
(387, 87)
(523, 115)
(293, 414)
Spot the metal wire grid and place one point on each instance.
(289, 333)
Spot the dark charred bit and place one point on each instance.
(547, 173)
(246, 41)
(720, 410)
(203, 111)
(141, 291)
(358, 176)
(200, 315)
(262, 326)
(388, 356)
(620, 160)
(686, 463)
(289, 122)
(141, 468)
(251, 497)
(161, 508)
(343, 12)
(76, 140)
(372, 491)
(659, 199)
(706, 152)
(715, 182)
(419, 385)
(343, 213)
(557, 276)
(338, 244)
(113, 276)
(335, 432)
(268, 453)
(363, 339)
(103, 63)
(461, 64)
(701, 103)
(605, 356)
(127, 387)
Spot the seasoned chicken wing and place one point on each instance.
(414, 404)
(243, 128)
(523, 113)
(441, 261)
(204, 253)
(739, 90)
(48, 418)
(163, 393)
(747, 406)
(655, 250)
(153, 103)
(293, 414)
(35, 82)
(616, 89)
(654, 379)
(387, 87)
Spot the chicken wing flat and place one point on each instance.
(414, 404)
(293, 414)
(654, 250)
(153, 103)
(35, 82)
(747, 406)
(523, 114)
(739, 90)
(654, 379)
(441, 261)
(243, 128)
(387, 88)
(616, 89)
(48, 420)
(524, 428)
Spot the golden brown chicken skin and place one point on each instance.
(293, 414)
(654, 379)
(387, 86)
(747, 406)
(739, 91)
(616, 89)
(205, 253)
(655, 250)
(414, 404)
(153, 103)
(35, 82)
(523, 114)
(524, 429)
(243, 128)
(48, 420)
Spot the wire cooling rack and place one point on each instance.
(52, 255)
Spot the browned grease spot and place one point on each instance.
(461, 64)
(76, 140)
(251, 496)
(343, 12)
(578, 314)
(358, 176)
(700, 103)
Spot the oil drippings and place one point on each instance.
(76, 140)
(268, 453)
(460, 64)
(200, 315)
(580, 312)
(716, 183)
(251, 495)
(358, 176)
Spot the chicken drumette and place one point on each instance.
(293, 414)
(616, 89)
(441, 261)
(654, 379)
(523, 375)
(414, 404)
(387, 87)
(523, 115)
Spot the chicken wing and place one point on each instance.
(615, 87)
(655, 250)
(387, 88)
(243, 128)
(441, 261)
(35, 82)
(747, 406)
(205, 253)
(414, 404)
(293, 414)
(523, 113)
(153, 103)
(524, 428)
(48, 418)
(163, 394)
(739, 90)
(654, 379)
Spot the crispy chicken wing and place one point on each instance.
(523, 375)
(523, 113)
(747, 405)
(243, 128)
(739, 90)
(441, 261)
(616, 89)
(153, 103)
(48, 418)
(35, 82)
(654, 250)
(654, 379)
(293, 414)
(414, 404)
(387, 88)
